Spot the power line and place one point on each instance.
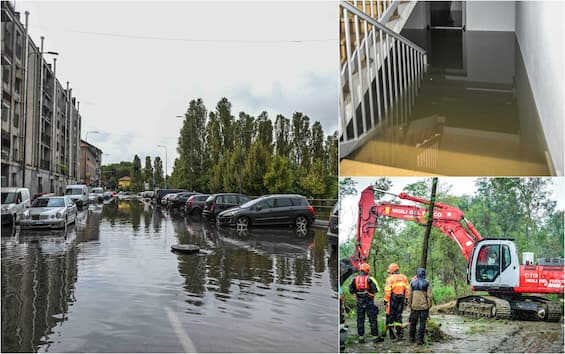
(195, 40)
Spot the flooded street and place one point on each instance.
(111, 284)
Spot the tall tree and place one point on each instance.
(256, 165)
(191, 145)
(282, 136)
(278, 178)
(136, 179)
(301, 140)
(265, 131)
(158, 172)
(148, 172)
(317, 142)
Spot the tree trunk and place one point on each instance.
(424, 260)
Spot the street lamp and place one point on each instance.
(86, 140)
(166, 159)
(240, 154)
(189, 156)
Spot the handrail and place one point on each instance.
(380, 26)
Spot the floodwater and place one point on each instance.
(112, 284)
(473, 113)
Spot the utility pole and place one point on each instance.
(429, 225)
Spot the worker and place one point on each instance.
(365, 287)
(396, 295)
(419, 302)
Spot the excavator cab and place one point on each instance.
(494, 265)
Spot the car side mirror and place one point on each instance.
(258, 207)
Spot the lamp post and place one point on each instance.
(86, 140)
(189, 156)
(166, 159)
(240, 154)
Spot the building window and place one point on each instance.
(14, 179)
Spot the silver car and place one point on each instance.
(51, 212)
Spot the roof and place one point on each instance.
(84, 143)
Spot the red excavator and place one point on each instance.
(492, 263)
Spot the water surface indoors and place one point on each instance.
(112, 284)
(473, 113)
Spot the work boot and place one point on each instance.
(379, 339)
(399, 333)
(391, 333)
(420, 342)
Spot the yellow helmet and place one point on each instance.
(393, 267)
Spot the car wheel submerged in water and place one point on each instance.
(242, 222)
(301, 222)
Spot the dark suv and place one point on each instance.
(217, 203)
(276, 209)
(195, 204)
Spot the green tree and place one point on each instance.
(301, 140)
(148, 172)
(256, 165)
(317, 142)
(136, 179)
(278, 178)
(265, 131)
(282, 136)
(158, 173)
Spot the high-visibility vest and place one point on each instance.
(362, 285)
(396, 284)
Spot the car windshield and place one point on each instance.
(97, 190)
(9, 197)
(48, 202)
(73, 191)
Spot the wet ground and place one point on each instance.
(110, 283)
(468, 335)
(474, 104)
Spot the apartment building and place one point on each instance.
(91, 162)
(41, 122)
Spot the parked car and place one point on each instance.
(53, 212)
(78, 193)
(179, 201)
(195, 204)
(217, 203)
(170, 199)
(148, 195)
(160, 193)
(276, 209)
(14, 202)
(99, 194)
(333, 224)
(41, 194)
(166, 197)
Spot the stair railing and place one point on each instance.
(375, 58)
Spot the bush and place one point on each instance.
(442, 293)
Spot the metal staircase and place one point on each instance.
(381, 71)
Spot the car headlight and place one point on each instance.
(59, 215)
(52, 216)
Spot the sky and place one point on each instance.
(134, 66)
(459, 186)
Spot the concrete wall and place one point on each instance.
(419, 17)
(490, 15)
(539, 30)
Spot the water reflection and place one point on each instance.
(473, 115)
(103, 284)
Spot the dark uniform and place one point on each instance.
(420, 302)
(364, 287)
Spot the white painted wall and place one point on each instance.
(490, 15)
(419, 17)
(539, 30)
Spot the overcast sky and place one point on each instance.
(134, 66)
(458, 186)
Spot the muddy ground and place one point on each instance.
(467, 335)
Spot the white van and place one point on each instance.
(78, 193)
(14, 202)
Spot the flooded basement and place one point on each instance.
(112, 284)
(472, 114)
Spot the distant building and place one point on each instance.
(124, 182)
(40, 118)
(91, 162)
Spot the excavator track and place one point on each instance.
(483, 306)
(553, 311)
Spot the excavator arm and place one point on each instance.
(450, 220)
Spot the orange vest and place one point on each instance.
(362, 284)
(396, 284)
